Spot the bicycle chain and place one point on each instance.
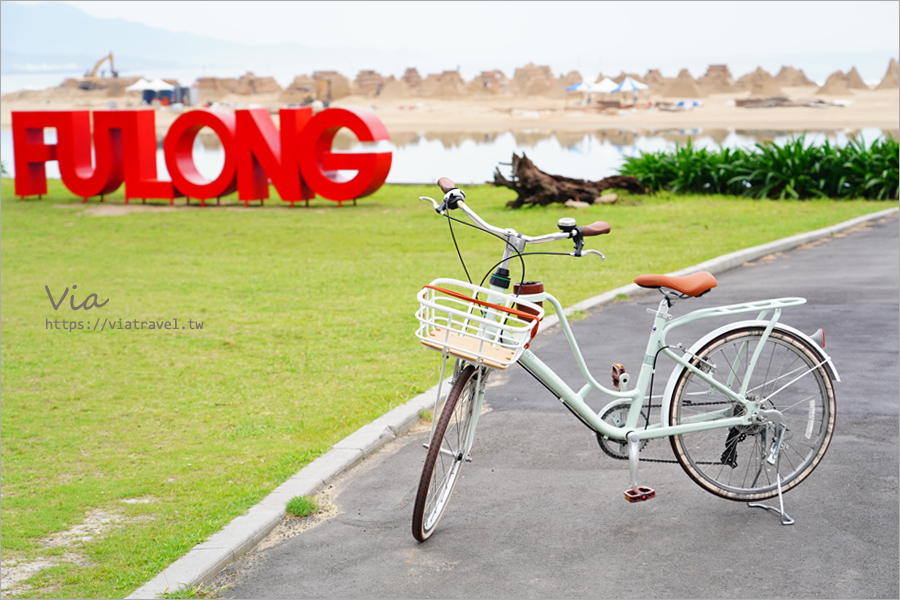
(657, 460)
(675, 462)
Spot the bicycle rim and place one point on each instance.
(445, 456)
(736, 463)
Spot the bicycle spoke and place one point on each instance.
(734, 463)
(445, 455)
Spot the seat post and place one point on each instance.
(664, 305)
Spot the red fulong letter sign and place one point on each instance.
(298, 160)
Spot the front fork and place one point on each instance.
(481, 375)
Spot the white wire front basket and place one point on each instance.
(475, 323)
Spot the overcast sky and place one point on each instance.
(584, 35)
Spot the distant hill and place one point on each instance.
(52, 36)
(58, 38)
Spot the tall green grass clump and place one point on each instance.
(795, 170)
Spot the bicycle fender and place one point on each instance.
(811, 344)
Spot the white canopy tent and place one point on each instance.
(602, 87)
(139, 86)
(158, 85)
(146, 87)
(605, 86)
(630, 85)
(583, 86)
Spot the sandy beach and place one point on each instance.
(499, 113)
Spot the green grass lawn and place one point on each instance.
(308, 321)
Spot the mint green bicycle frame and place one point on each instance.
(662, 324)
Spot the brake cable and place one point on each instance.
(500, 237)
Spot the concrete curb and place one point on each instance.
(243, 533)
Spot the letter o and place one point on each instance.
(179, 152)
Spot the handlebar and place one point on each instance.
(455, 198)
(595, 228)
(446, 184)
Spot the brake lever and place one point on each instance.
(585, 252)
(437, 207)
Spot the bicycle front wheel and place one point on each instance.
(446, 454)
(737, 463)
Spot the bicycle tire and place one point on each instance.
(720, 462)
(445, 455)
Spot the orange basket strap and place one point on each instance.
(511, 311)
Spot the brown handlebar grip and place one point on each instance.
(596, 228)
(446, 184)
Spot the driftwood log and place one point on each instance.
(535, 187)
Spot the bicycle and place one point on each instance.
(749, 408)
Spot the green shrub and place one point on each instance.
(795, 170)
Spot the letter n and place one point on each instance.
(263, 155)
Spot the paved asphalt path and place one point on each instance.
(539, 513)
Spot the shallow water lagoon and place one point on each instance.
(423, 157)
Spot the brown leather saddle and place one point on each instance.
(693, 285)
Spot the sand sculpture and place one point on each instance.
(251, 84)
(429, 85)
(891, 79)
(450, 85)
(835, 85)
(302, 83)
(215, 88)
(622, 75)
(301, 90)
(655, 80)
(744, 83)
(108, 86)
(763, 85)
(532, 80)
(331, 85)
(791, 77)
(854, 81)
(717, 80)
(684, 86)
(368, 83)
(490, 82)
(395, 88)
(412, 78)
(558, 87)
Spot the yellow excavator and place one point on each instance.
(91, 81)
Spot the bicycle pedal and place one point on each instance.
(639, 494)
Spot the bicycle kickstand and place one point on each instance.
(636, 493)
(774, 458)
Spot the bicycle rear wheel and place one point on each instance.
(446, 453)
(789, 378)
